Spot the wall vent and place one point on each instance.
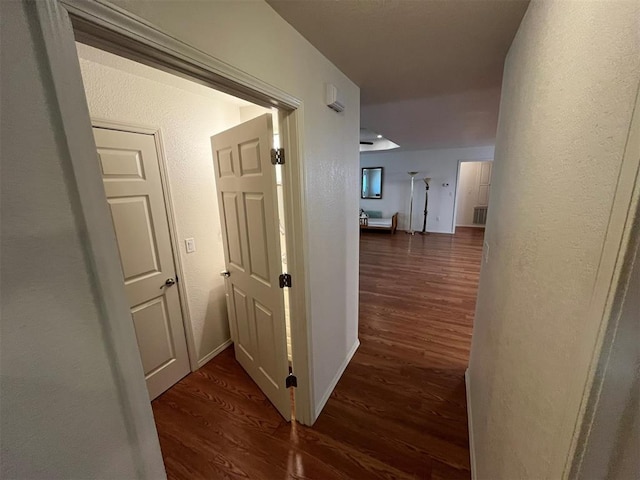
(480, 215)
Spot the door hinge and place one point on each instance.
(291, 381)
(285, 280)
(277, 156)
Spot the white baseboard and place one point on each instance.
(213, 353)
(334, 382)
(472, 449)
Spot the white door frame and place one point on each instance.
(457, 190)
(156, 132)
(113, 29)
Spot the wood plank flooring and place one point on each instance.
(399, 411)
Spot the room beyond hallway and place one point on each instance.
(399, 411)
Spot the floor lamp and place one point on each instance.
(410, 231)
(426, 204)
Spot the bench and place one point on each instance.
(374, 221)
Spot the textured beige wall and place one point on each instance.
(569, 88)
(187, 119)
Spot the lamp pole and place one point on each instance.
(410, 231)
(426, 204)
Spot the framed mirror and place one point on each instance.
(371, 183)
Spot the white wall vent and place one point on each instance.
(480, 215)
(334, 102)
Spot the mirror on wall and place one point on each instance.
(371, 185)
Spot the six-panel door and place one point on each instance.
(245, 180)
(131, 176)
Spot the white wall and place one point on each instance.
(65, 406)
(468, 189)
(252, 111)
(252, 37)
(569, 88)
(117, 91)
(440, 165)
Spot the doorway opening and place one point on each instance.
(473, 190)
(173, 148)
(282, 232)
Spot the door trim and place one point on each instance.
(295, 209)
(614, 270)
(156, 132)
(113, 29)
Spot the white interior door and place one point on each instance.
(131, 176)
(245, 179)
(484, 183)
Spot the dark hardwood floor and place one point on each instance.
(399, 411)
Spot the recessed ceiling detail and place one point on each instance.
(371, 141)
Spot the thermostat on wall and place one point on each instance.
(332, 98)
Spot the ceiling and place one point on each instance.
(448, 55)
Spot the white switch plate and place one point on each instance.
(486, 253)
(190, 244)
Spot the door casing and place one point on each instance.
(108, 27)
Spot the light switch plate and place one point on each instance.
(190, 244)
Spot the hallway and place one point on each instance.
(399, 411)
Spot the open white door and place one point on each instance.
(245, 179)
